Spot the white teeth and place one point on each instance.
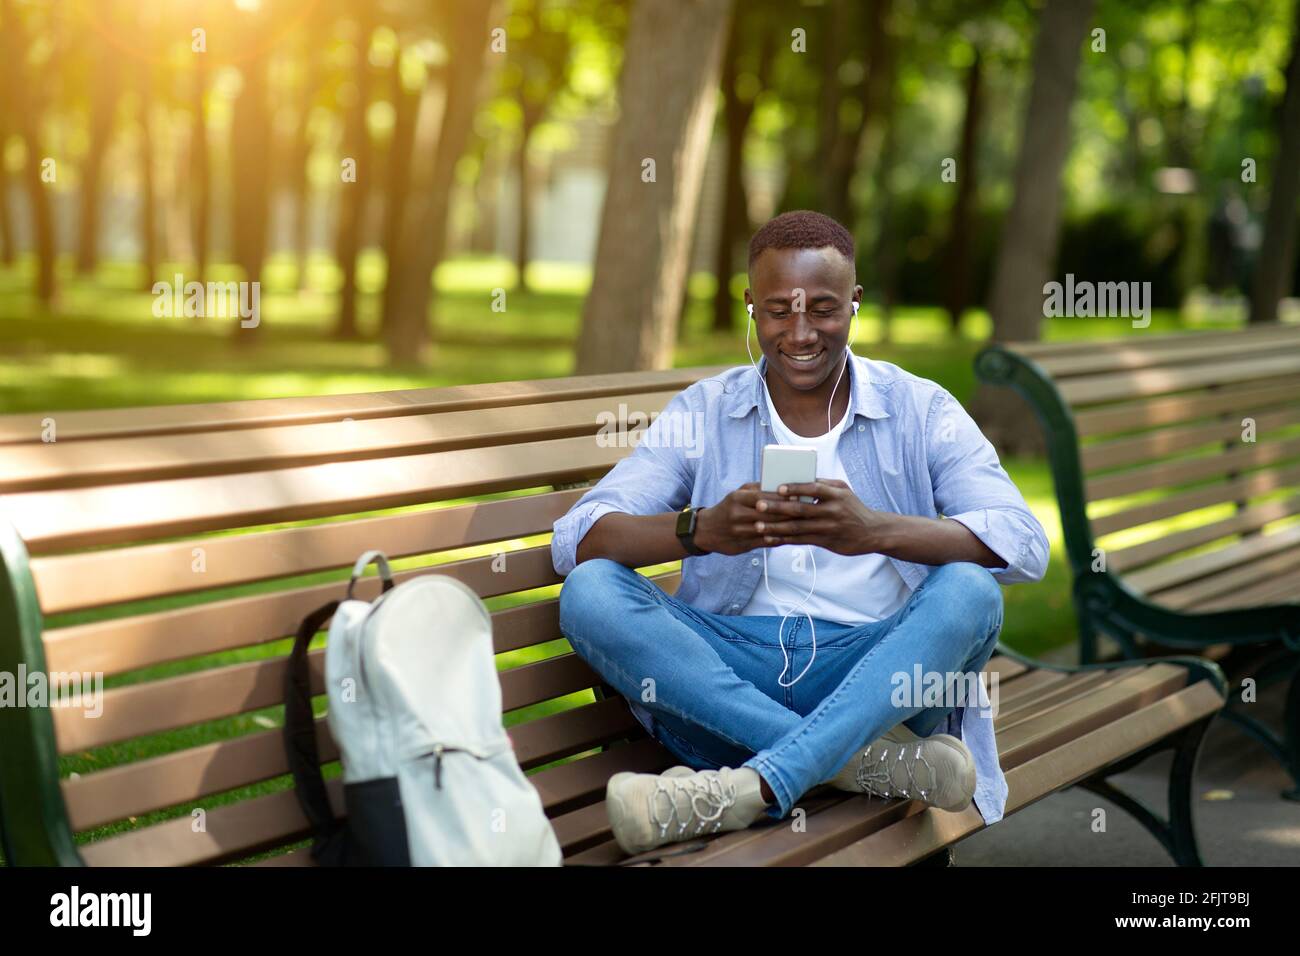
(803, 358)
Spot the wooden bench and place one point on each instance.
(150, 544)
(1150, 429)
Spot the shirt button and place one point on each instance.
(862, 428)
(735, 607)
(754, 561)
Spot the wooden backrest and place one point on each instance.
(1200, 431)
(173, 550)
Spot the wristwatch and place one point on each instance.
(686, 530)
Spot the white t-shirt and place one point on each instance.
(849, 589)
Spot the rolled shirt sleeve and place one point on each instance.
(656, 477)
(971, 486)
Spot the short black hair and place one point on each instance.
(801, 229)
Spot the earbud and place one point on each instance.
(855, 308)
(750, 307)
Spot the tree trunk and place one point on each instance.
(883, 101)
(424, 235)
(298, 165)
(1027, 249)
(103, 102)
(1277, 252)
(667, 95)
(737, 113)
(842, 160)
(6, 223)
(531, 117)
(148, 188)
(958, 268)
(200, 178)
(250, 160)
(1029, 236)
(400, 147)
(352, 201)
(26, 110)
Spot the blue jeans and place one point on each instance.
(710, 681)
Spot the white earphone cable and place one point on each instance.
(812, 625)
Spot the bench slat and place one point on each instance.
(126, 644)
(78, 464)
(1038, 348)
(1237, 489)
(1130, 451)
(1234, 585)
(1246, 521)
(1183, 349)
(1185, 470)
(1239, 400)
(1095, 389)
(259, 413)
(1159, 579)
(113, 514)
(138, 710)
(189, 775)
(102, 578)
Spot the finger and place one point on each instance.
(816, 540)
(777, 505)
(813, 489)
(786, 528)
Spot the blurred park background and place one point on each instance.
(435, 192)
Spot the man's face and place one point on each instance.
(803, 311)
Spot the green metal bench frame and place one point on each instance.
(1104, 604)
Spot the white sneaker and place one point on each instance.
(647, 810)
(937, 770)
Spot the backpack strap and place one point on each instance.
(300, 730)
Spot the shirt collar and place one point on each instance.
(863, 397)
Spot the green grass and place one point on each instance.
(101, 347)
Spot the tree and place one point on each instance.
(424, 234)
(200, 177)
(355, 189)
(957, 272)
(13, 35)
(667, 94)
(538, 71)
(737, 110)
(406, 105)
(250, 152)
(103, 104)
(1275, 269)
(148, 188)
(1027, 248)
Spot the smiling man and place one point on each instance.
(774, 666)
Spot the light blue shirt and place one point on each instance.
(909, 448)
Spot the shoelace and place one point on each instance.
(875, 774)
(707, 798)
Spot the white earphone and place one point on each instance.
(812, 558)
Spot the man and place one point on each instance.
(891, 571)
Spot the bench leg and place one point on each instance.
(1285, 747)
(1176, 834)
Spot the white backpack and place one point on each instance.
(430, 777)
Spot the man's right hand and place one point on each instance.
(729, 527)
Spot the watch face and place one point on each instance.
(685, 522)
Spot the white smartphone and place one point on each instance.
(788, 465)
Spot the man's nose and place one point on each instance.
(803, 332)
